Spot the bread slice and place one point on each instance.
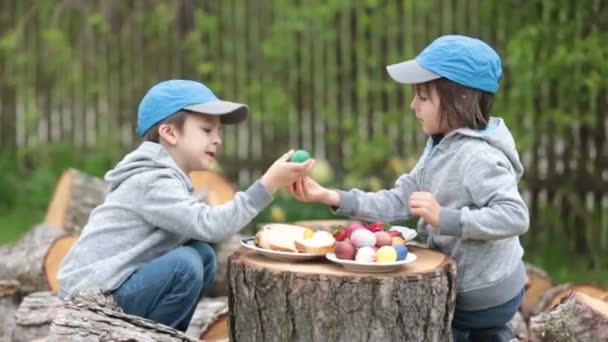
(320, 243)
(279, 237)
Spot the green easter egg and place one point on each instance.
(299, 156)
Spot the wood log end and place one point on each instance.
(56, 212)
(52, 260)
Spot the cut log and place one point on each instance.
(23, 260)
(54, 256)
(207, 318)
(537, 284)
(579, 317)
(91, 315)
(34, 316)
(9, 301)
(555, 295)
(75, 196)
(321, 301)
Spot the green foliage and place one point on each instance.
(298, 63)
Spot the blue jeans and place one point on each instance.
(486, 325)
(168, 288)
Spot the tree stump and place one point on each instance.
(91, 315)
(579, 317)
(321, 301)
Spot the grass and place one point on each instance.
(16, 223)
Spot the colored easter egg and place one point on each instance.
(362, 238)
(401, 251)
(365, 254)
(397, 241)
(386, 254)
(299, 156)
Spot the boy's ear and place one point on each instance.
(168, 133)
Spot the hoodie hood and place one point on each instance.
(148, 157)
(498, 135)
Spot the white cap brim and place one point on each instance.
(410, 72)
(231, 112)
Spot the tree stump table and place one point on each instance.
(319, 300)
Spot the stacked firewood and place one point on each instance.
(31, 311)
(29, 307)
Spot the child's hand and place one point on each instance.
(307, 190)
(425, 205)
(282, 172)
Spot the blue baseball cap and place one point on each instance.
(169, 97)
(464, 60)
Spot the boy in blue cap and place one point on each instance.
(464, 186)
(148, 242)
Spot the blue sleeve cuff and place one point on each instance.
(259, 195)
(449, 222)
(348, 204)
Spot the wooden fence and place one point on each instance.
(313, 74)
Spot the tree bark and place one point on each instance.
(9, 301)
(34, 316)
(23, 261)
(91, 315)
(553, 296)
(579, 318)
(320, 301)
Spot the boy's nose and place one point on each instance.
(412, 104)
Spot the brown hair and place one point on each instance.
(177, 120)
(459, 105)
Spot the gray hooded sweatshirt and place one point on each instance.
(149, 210)
(473, 174)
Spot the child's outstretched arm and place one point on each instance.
(167, 204)
(385, 205)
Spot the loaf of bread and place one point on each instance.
(320, 243)
(292, 238)
(279, 237)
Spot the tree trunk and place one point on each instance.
(25, 259)
(93, 316)
(34, 316)
(579, 318)
(320, 301)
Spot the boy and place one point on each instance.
(147, 243)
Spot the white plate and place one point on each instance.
(249, 243)
(371, 267)
(408, 233)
